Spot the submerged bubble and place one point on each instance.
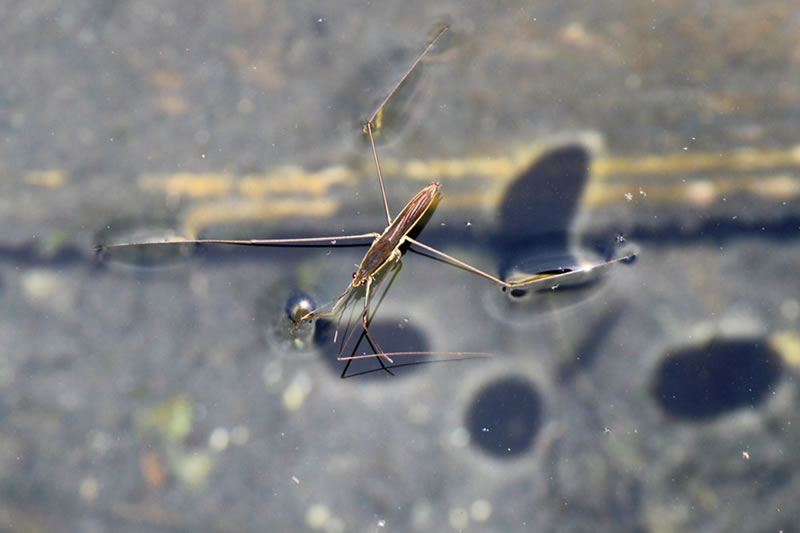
(298, 305)
(278, 315)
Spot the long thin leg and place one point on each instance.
(525, 282)
(321, 311)
(365, 321)
(460, 263)
(380, 173)
(364, 318)
(346, 342)
(365, 325)
(370, 124)
(352, 358)
(249, 242)
(377, 349)
(431, 44)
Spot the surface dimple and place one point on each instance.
(505, 417)
(701, 382)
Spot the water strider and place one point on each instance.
(386, 247)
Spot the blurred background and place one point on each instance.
(163, 389)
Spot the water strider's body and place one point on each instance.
(383, 251)
(386, 246)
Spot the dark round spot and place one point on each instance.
(701, 382)
(505, 417)
(392, 336)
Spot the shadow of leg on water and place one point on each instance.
(394, 336)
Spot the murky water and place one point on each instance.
(166, 389)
